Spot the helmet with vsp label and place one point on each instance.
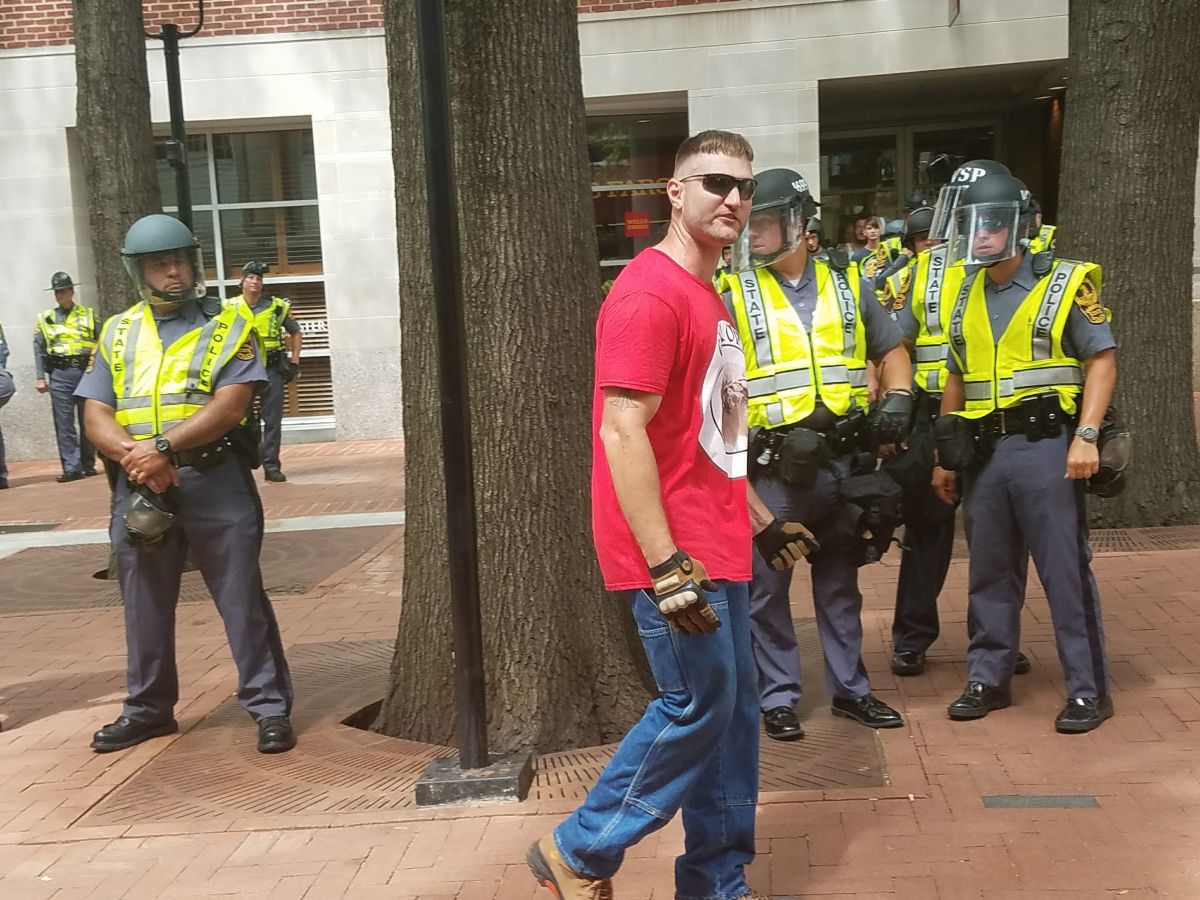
(990, 220)
(163, 258)
(947, 200)
(782, 204)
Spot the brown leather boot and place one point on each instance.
(556, 876)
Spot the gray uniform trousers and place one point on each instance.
(272, 418)
(837, 602)
(220, 519)
(75, 451)
(1019, 498)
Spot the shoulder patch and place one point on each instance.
(1089, 302)
(246, 351)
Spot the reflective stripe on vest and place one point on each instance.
(1029, 358)
(156, 390)
(787, 368)
(74, 336)
(935, 285)
(267, 322)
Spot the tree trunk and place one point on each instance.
(1128, 203)
(115, 138)
(560, 660)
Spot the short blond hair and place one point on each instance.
(714, 143)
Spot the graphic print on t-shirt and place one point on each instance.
(723, 404)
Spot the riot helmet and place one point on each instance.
(948, 197)
(917, 224)
(255, 267)
(775, 229)
(1115, 446)
(163, 244)
(148, 516)
(813, 226)
(990, 220)
(894, 228)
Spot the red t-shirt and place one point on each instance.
(663, 331)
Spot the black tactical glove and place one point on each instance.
(783, 544)
(890, 420)
(289, 370)
(679, 585)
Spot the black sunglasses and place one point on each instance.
(721, 185)
(991, 224)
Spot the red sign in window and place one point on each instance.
(637, 224)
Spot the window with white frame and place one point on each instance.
(254, 196)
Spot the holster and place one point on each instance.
(960, 443)
(1043, 417)
(801, 455)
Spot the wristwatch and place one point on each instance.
(1087, 433)
(163, 446)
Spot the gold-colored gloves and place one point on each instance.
(783, 544)
(679, 585)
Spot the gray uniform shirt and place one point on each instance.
(98, 384)
(882, 333)
(3, 349)
(39, 340)
(1081, 338)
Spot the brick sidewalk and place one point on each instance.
(932, 838)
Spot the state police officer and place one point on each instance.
(808, 327)
(922, 296)
(63, 338)
(167, 395)
(1031, 372)
(272, 320)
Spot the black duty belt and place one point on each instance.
(1017, 421)
(274, 358)
(204, 458)
(67, 362)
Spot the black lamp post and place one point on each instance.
(177, 156)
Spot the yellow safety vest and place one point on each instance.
(788, 368)
(1029, 359)
(933, 283)
(74, 336)
(155, 390)
(1043, 240)
(267, 322)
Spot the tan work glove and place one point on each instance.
(783, 544)
(679, 585)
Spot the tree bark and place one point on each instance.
(560, 660)
(115, 137)
(1128, 203)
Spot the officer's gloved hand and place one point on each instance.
(289, 370)
(783, 544)
(679, 585)
(890, 420)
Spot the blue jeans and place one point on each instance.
(695, 748)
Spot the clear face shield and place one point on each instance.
(772, 233)
(168, 277)
(985, 233)
(943, 211)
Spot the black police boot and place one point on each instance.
(88, 473)
(68, 476)
(126, 732)
(782, 724)
(1023, 665)
(908, 662)
(274, 475)
(977, 701)
(868, 710)
(1082, 714)
(275, 735)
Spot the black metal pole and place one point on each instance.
(177, 145)
(442, 203)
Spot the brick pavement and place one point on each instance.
(927, 837)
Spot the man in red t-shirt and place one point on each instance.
(673, 521)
